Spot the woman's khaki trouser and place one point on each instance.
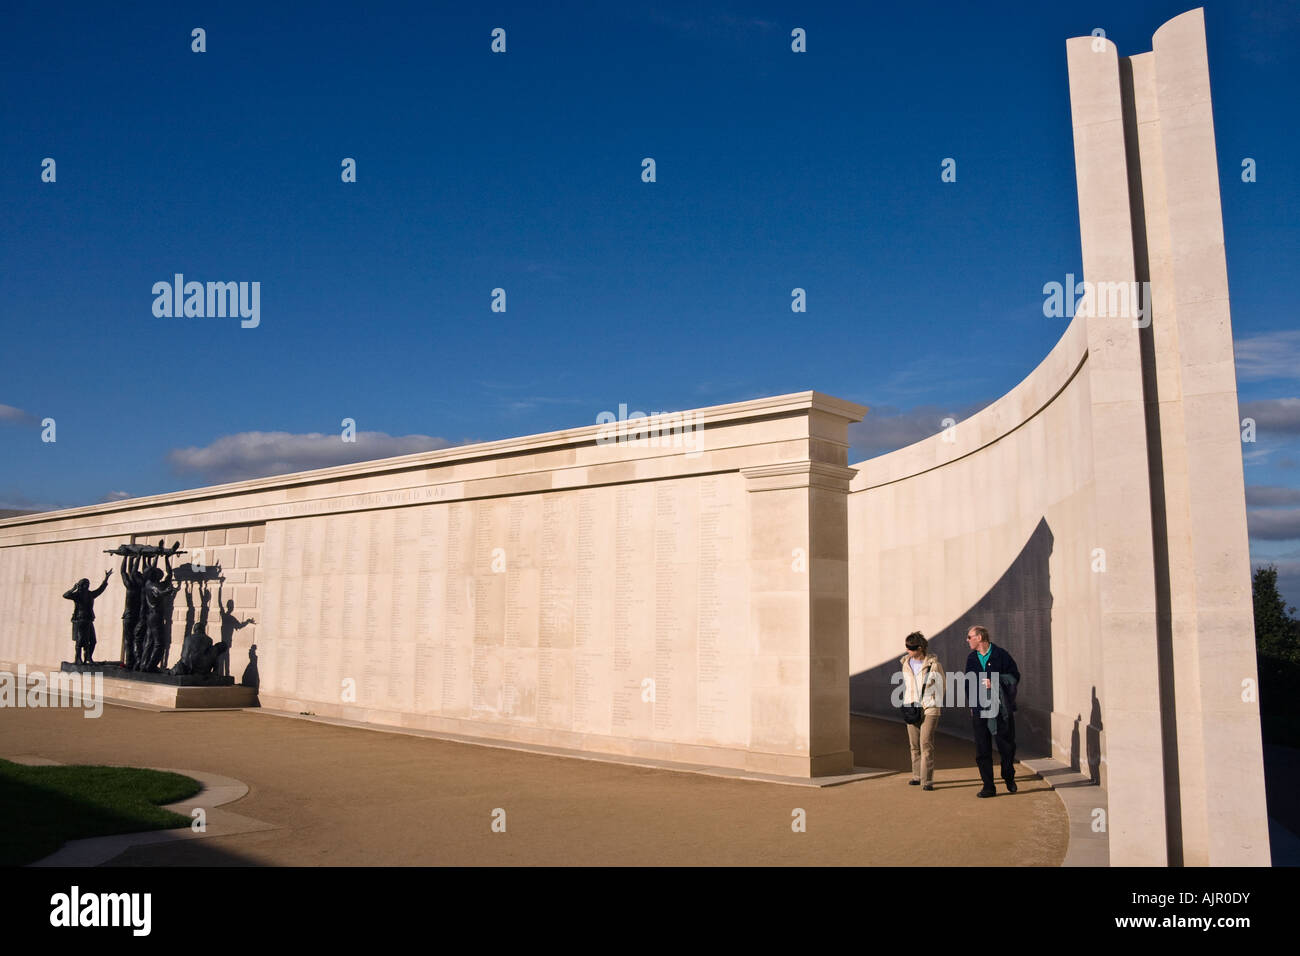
(922, 740)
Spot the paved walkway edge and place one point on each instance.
(1082, 799)
(216, 791)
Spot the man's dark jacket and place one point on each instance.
(1003, 664)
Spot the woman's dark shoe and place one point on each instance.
(928, 786)
(914, 783)
(987, 792)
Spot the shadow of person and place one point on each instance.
(229, 625)
(205, 599)
(189, 611)
(250, 678)
(196, 631)
(1074, 744)
(1094, 739)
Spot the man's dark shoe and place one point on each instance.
(914, 783)
(987, 792)
(1011, 786)
(928, 786)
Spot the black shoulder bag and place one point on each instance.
(914, 714)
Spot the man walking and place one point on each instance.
(997, 679)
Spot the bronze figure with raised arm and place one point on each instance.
(83, 616)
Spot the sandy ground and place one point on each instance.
(344, 796)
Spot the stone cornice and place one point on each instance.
(794, 403)
(799, 474)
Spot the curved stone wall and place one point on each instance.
(1094, 517)
(991, 522)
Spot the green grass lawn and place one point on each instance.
(41, 808)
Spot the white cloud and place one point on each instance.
(1271, 496)
(1272, 355)
(1273, 524)
(258, 454)
(115, 496)
(887, 428)
(16, 416)
(16, 501)
(1273, 416)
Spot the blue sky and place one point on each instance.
(522, 171)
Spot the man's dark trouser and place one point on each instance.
(1006, 742)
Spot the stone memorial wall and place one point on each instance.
(643, 596)
(606, 612)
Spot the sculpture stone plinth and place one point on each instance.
(118, 672)
(168, 691)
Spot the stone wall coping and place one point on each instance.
(1035, 392)
(794, 403)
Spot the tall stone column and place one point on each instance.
(1130, 695)
(799, 602)
(1192, 391)
(1149, 212)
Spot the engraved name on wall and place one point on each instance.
(616, 611)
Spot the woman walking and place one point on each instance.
(923, 683)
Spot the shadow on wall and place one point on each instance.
(250, 677)
(193, 572)
(1017, 610)
(1093, 766)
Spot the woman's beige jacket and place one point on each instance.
(931, 695)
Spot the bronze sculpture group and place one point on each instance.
(150, 593)
(147, 617)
